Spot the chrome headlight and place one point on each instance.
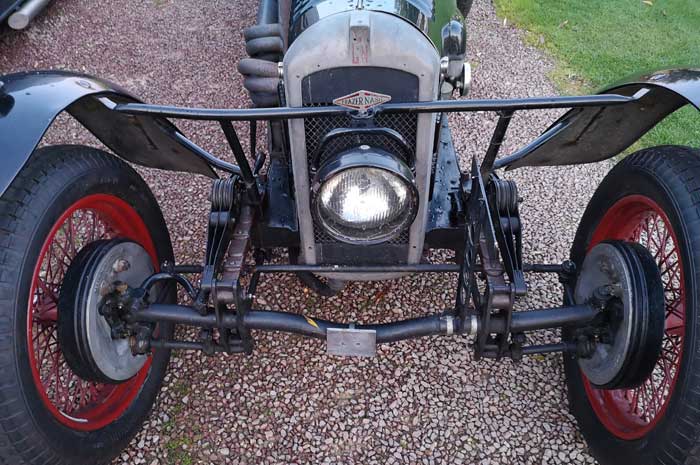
(365, 196)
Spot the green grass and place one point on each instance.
(177, 454)
(598, 42)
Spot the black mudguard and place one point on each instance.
(7, 7)
(586, 135)
(29, 103)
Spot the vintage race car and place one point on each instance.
(358, 180)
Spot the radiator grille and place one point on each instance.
(316, 128)
(322, 87)
(322, 237)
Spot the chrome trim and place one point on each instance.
(364, 157)
(450, 321)
(473, 325)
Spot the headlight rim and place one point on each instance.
(365, 156)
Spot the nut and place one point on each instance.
(121, 265)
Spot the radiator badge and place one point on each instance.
(362, 100)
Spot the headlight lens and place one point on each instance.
(365, 204)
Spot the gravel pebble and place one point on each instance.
(422, 401)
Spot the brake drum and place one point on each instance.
(633, 319)
(84, 334)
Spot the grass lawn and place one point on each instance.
(598, 42)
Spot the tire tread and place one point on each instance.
(49, 170)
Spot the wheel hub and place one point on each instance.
(92, 350)
(627, 340)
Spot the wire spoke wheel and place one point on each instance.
(632, 413)
(64, 208)
(77, 403)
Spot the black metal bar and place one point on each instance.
(532, 320)
(294, 323)
(293, 268)
(386, 332)
(222, 114)
(238, 152)
(496, 140)
(185, 345)
(253, 138)
(267, 320)
(438, 106)
(548, 348)
(246, 172)
(190, 345)
(532, 103)
(520, 153)
(187, 269)
(259, 162)
(211, 159)
(424, 268)
(164, 276)
(543, 268)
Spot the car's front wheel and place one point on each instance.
(650, 198)
(64, 201)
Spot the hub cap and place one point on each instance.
(75, 402)
(632, 413)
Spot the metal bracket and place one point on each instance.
(481, 253)
(351, 342)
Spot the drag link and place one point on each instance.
(421, 268)
(418, 268)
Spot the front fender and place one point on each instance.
(586, 135)
(29, 103)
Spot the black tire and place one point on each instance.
(53, 180)
(670, 429)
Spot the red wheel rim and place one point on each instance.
(631, 414)
(79, 404)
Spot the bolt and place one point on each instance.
(121, 265)
(585, 347)
(121, 287)
(568, 266)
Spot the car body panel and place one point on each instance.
(429, 16)
(587, 135)
(30, 102)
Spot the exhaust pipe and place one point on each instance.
(22, 17)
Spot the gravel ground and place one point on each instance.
(420, 401)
